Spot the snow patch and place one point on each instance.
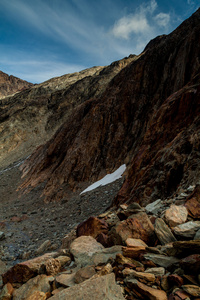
(107, 179)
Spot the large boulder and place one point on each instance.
(100, 288)
(137, 226)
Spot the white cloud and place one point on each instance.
(130, 24)
(162, 19)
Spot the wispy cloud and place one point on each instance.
(141, 21)
(84, 33)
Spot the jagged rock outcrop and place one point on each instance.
(147, 117)
(31, 117)
(10, 85)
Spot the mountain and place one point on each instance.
(32, 116)
(146, 116)
(10, 85)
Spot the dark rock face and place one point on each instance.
(11, 84)
(31, 117)
(147, 117)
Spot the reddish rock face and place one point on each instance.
(11, 84)
(148, 117)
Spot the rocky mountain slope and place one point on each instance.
(147, 117)
(31, 117)
(10, 85)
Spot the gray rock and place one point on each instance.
(103, 287)
(163, 232)
(187, 230)
(83, 248)
(197, 235)
(154, 207)
(161, 260)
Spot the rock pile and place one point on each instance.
(129, 252)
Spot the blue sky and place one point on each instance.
(41, 39)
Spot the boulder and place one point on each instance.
(176, 215)
(163, 232)
(191, 264)
(103, 287)
(146, 291)
(7, 291)
(161, 260)
(187, 230)
(103, 256)
(135, 243)
(155, 207)
(147, 277)
(40, 283)
(84, 274)
(92, 227)
(193, 207)
(185, 248)
(137, 226)
(66, 280)
(22, 272)
(83, 248)
(192, 290)
(160, 271)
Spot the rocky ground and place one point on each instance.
(130, 252)
(27, 221)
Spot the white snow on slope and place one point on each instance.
(107, 179)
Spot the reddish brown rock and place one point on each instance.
(84, 274)
(22, 272)
(92, 226)
(193, 207)
(191, 264)
(133, 252)
(176, 280)
(138, 226)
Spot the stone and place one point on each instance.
(66, 280)
(146, 291)
(40, 283)
(68, 239)
(103, 256)
(188, 229)
(176, 215)
(2, 235)
(83, 249)
(53, 266)
(133, 252)
(161, 260)
(154, 207)
(103, 240)
(7, 291)
(147, 277)
(64, 260)
(44, 247)
(130, 242)
(107, 269)
(181, 294)
(100, 288)
(197, 235)
(138, 226)
(122, 260)
(112, 219)
(185, 248)
(163, 232)
(84, 274)
(193, 207)
(191, 264)
(175, 280)
(22, 272)
(37, 296)
(193, 290)
(92, 227)
(160, 271)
